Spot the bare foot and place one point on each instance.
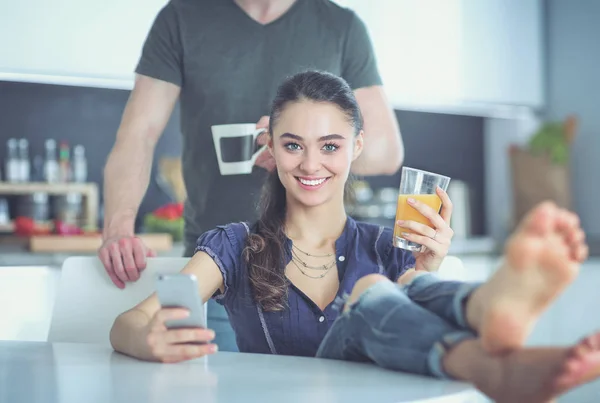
(542, 258)
(529, 375)
(540, 375)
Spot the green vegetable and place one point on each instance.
(153, 224)
(552, 141)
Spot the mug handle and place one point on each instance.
(256, 133)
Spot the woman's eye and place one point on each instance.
(330, 147)
(292, 146)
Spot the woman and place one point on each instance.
(308, 280)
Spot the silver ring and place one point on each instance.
(434, 235)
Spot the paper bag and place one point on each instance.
(537, 177)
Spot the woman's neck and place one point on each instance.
(315, 227)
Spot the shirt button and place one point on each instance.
(341, 258)
(321, 319)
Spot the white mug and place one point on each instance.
(247, 157)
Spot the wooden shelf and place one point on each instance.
(89, 192)
(7, 188)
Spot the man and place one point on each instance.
(223, 60)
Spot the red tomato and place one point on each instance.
(171, 211)
(24, 226)
(63, 228)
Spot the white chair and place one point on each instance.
(452, 268)
(87, 302)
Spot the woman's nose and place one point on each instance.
(311, 162)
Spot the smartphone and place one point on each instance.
(181, 291)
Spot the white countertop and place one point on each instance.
(15, 255)
(35, 372)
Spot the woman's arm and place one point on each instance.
(140, 331)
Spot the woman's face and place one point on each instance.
(314, 145)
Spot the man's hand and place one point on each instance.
(124, 258)
(265, 159)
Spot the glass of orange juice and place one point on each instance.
(419, 185)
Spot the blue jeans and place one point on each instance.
(218, 320)
(406, 328)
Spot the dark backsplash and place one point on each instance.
(77, 115)
(448, 144)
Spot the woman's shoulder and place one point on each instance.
(231, 236)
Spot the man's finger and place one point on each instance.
(262, 139)
(104, 256)
(117, 262)
(139, 253)
(131, 269)
(263, 123)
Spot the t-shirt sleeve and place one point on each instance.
(359, 66)
(222, 245)
(395, 260)
(162, 52)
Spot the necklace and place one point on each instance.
(310, 254)
(319, 267)
(308, 275)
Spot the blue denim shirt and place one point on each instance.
(299, 329)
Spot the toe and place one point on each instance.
(582, 253)
(581, 350)
(593, 341)
(577, 245)
(567, 222)
(576, 237)
(541, 219)
(573, 219)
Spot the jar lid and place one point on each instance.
(73, 198)
(39, 197)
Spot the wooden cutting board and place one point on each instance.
(91, 243)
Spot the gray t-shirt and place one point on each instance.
(229, 67)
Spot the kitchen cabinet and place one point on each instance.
(449, 56)
(453, 54)
(74, 42)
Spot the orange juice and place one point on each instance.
(406, 212)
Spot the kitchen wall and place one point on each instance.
(447, 144)
(573, 86)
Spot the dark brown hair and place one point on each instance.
(264, 252)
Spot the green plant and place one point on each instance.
(552, 140)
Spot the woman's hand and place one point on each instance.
(437, 239)
(178, 344)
